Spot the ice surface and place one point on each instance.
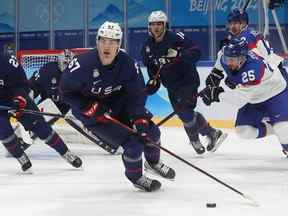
(254, 167)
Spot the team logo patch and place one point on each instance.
(147, 49)
(96, 73)
(54, 80)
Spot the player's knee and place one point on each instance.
(132, 150)
(154, 132)
(42, 129)
(246, 132)
(281, 129)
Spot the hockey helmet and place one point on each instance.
(110, 30)
(158, 16)
(237, 49)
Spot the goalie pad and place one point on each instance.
(22, 133)
(48, 106)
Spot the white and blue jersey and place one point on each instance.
(256, 80)
(264, 90)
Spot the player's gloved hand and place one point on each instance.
(211, 94)
(95, 109)
(18, 104)
(152, 86)
(141, 125)
(172, 56)
(214, 78)
(230, 83)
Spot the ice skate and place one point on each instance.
(25, 163)
(73, 159)
(147, 184)
(215, 139)
(198, 147)
(160, 169)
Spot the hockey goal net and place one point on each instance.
(33, 60)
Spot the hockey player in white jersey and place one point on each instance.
(263, 87)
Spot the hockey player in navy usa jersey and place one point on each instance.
(14, 90)
(263, 88)
(107, 80)
(171, 60)
(45, 81)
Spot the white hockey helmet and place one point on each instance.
(157, 16)
(110, 30)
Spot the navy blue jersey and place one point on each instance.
(45, 83)
(13, 80)
(118, 85)
(181, 72)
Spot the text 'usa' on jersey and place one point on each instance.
(13, 80)
(86, 79)
(181, 70)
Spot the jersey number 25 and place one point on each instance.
(248, 76)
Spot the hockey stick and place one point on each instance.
(71, 121)
(246, 5)
(33, 112)
(250, 199)
(175, 112)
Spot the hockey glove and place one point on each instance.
(230, 83)
(18, 104)
(152, 86)
(141, 125)
(171, 57)
(214, 78)
(96, 110)
(211, 94)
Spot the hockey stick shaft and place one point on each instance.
(32, 112)
(183, 160)
(69, 119)
(172, 114)
(246, 5)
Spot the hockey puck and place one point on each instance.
(210, 205)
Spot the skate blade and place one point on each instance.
(221, 139)
(28, 171)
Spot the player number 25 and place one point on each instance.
(248, 76)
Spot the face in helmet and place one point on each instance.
(237, 21)
(65, 58)
(234, 54)
(157, 24)
(108, 42)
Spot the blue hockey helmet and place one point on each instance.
(234, 16)
(237, 15)
(235, 52)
